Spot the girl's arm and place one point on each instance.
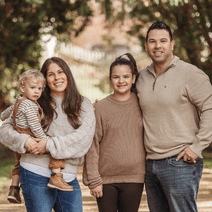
(91, 176)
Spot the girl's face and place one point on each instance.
(122, 79)
(56, 80)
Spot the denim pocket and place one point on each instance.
(180, 163)
(184, 168)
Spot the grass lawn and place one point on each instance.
(207, 160)
(5, 170)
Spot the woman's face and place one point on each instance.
(56, 80)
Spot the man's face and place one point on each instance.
(159, 46)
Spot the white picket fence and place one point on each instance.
(91, 68)
(87, 56)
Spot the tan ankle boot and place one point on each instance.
(14, 195)
(59, 183)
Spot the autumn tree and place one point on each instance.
(190, 21)
(22, 24)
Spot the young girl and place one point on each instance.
(114, 166)
(26, 115)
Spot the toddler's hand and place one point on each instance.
(40, 147)
(29, 142)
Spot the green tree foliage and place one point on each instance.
(23, 22)
(190, 20)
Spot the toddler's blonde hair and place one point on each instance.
(32, 73)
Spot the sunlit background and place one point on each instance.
(89, 35)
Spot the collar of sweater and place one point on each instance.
(172, 63)
(112, 99)
(58, 101)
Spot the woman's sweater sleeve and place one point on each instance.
(91, 176)
(6, 113)
(11, 138)
(77, 143)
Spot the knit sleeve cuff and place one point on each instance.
(95, 182)
(196, 148)
(48, 144)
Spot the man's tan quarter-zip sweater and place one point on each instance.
(177, 109)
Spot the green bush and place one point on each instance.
(7, 165)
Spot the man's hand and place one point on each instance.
(97, 192)
(188, 156)
(40, 147)
(96, 101)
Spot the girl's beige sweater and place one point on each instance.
(117, 154)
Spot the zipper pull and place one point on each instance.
(154, 85)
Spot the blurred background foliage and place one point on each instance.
(24, 22)
(190, 21)
(22, 25)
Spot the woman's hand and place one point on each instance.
(97, 191)
(29, 143)
(40, 147)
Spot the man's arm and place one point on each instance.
(199, 91)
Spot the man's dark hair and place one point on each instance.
(159, 25)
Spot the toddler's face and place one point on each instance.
(32, 89)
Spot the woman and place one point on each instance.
(69, 121)
(114, 167)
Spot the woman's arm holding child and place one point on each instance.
(12, 139)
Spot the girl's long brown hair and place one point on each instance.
(72, 101)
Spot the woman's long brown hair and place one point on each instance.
(72, 101)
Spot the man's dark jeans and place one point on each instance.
(171, 185)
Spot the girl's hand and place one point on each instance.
(97, 192)
(40, 147)
(29, 143)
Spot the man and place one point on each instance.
(176, 102)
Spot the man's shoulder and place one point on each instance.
(186, 64)
(145, 71)
(189, 68)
